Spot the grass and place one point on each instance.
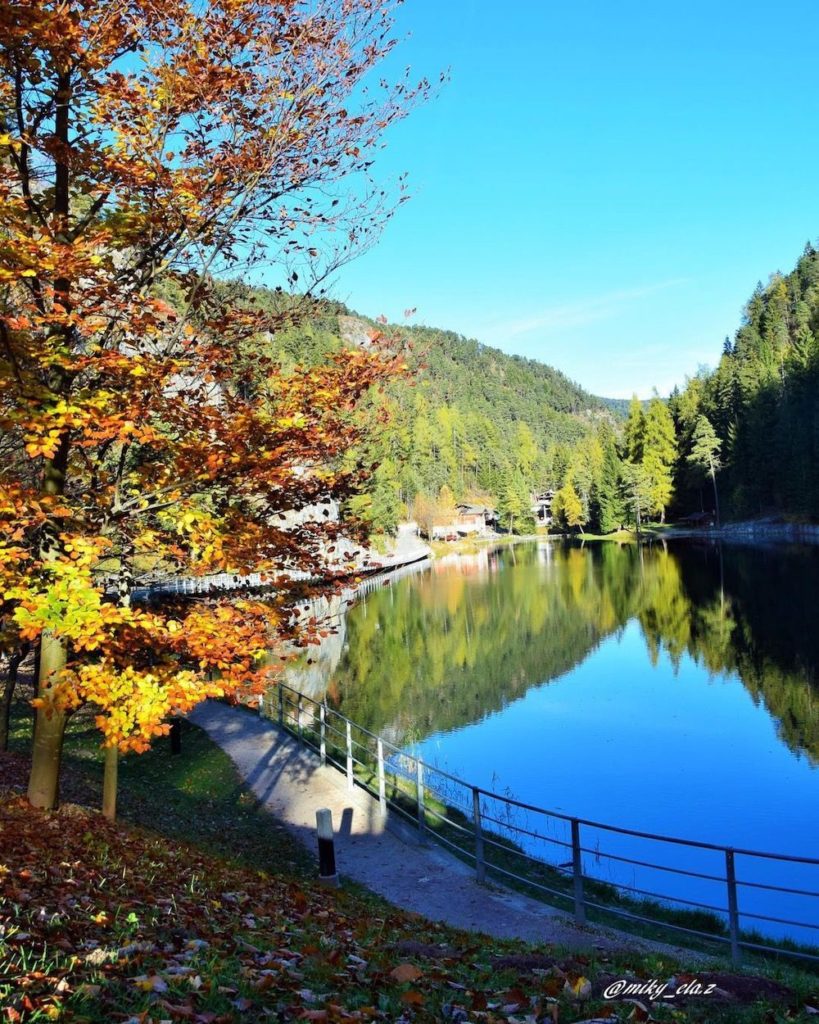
(619, 536)
(196, 797)
(197, 906)
(472, 545)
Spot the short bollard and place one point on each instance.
(326, 848)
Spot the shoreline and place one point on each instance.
(756, 532)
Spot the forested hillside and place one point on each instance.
(477, 423)
(465, 422)
(470, 422)
(758, 411)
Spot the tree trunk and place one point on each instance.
(716, 498)
(8, 695)
(49, 723)
(109, 782)
(176, 730)
(49, 729)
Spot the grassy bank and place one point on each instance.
(196, 906)
(472, 545)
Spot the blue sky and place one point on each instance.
(600, 185)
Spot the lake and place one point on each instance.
(670, 690)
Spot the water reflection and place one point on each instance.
(666, 689)
(444, 649)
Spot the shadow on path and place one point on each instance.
(386, 856)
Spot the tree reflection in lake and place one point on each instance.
(664, 689)
(446, 648)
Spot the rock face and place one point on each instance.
(355, 332)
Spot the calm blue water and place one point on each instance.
(662, 691)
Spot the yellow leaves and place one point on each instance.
(187, 521)
(578, 988)
(134, 703)
(63, 597)
(150, 983)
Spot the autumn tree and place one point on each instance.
(567, 508)
(659, 455)
(147, 147)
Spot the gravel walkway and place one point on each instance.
(291, 782)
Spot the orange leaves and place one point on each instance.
(130, 388)
(406, 972)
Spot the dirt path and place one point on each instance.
(291, 782)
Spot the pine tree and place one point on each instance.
(607, 506)
(704, 455)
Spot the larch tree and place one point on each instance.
(659, 455)
(634, 431)
(148, 146)
(567, 507)
(515, 502)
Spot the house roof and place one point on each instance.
(467, 509)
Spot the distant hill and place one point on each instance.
(471, 419)
(617, 406)
(451, 369)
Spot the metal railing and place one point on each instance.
(553, 854)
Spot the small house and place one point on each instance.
(542, 507)
(475, 519)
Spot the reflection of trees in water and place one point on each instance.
(437, 652)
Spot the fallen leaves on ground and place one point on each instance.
(103, 922)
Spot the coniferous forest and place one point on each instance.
(470, 422)
(760, 406)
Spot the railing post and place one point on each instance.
(382, 786)
(733, 910)
(281, 706)
(349, 755)
(323, 734)
(577, 872)
(298, 720)
(480, 865)
(419, 790)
